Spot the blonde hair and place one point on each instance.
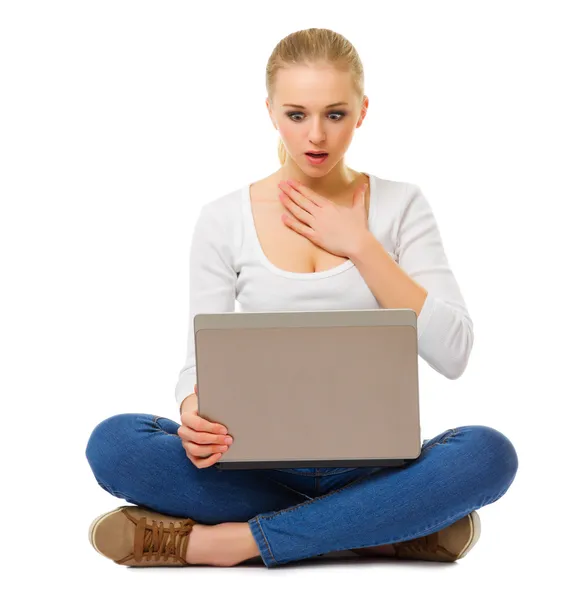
(313, 46)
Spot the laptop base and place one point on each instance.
(296, 464)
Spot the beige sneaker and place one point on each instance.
(446, 545)
(136, 536)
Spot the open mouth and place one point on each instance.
(316, 158)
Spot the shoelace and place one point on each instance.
(157, 542)
(428, 543)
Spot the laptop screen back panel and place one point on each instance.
(319, 389)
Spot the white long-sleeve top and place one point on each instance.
(227, 263)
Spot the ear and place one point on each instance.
(363, 112)
(270, 114)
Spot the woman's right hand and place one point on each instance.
(204, 441)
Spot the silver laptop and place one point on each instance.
(333, 388)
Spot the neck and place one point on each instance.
(333, 183)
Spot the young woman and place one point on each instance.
(330, 238)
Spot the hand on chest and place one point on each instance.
(287, 249)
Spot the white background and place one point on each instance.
(119, 120)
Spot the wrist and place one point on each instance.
(361, 242)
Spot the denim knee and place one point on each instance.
(108, 444)
(498, 450)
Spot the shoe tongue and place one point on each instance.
(162, 540)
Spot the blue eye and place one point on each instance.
(341, 114)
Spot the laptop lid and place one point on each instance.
(328, 388)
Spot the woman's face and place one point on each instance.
(312, 124)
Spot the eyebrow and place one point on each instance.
(328, 106)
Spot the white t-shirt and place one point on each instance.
(227, 264)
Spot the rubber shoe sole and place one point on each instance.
(93, 528)
(475, 533)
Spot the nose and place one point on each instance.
(317, 133)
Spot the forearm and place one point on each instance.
(190, 403)
(392, 287)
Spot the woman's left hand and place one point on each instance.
(337, 229)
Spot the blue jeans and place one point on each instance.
(295, 514)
